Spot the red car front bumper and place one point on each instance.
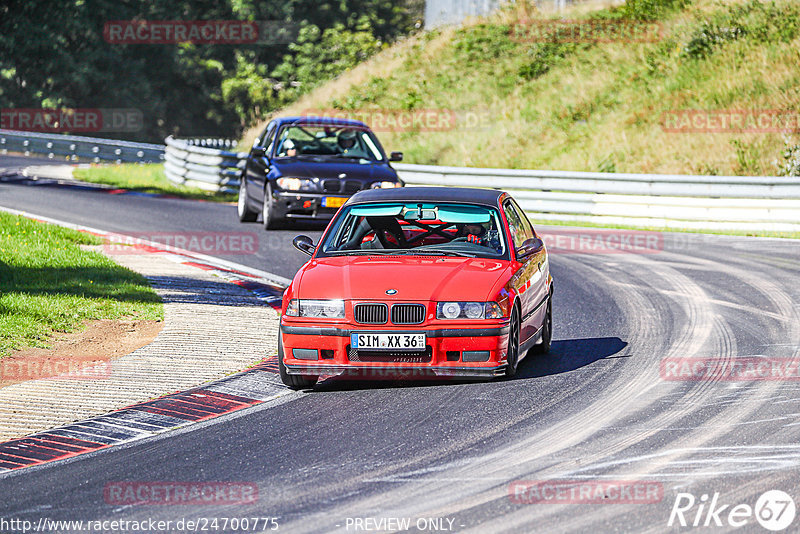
(470, 351)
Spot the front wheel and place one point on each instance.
(268, 216)
(293, 381)
(512, 353)
(245, 213)
(547, 329)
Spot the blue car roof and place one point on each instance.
(312, 120)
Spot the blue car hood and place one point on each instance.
(307, 168)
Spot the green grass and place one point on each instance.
(49, 284)
(145, 178)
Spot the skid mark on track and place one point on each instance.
(604, 429)
(632, 383)
(698, 462)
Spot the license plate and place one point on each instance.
(333, 202)
(411, 342)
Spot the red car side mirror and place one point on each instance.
(529, 247)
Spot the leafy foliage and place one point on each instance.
(53, 55)
(321, 55)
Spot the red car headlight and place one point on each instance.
(320, 309)
(468, 310)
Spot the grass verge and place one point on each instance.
(49, 284)
(145, 178)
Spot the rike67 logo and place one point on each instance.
(774, 510)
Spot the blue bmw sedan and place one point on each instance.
(307, 167)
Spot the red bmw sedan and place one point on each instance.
(431, 281)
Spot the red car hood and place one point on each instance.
(414, 278)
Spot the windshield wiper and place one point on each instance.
(402, 251)
(348, 156)
(359, 252)
(440, 252)
(298, 156)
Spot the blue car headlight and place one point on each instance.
(296, 184)
(385, 185)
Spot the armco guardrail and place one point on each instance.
(668, 201)
(211, 169)
(78, 148)
(671, 201)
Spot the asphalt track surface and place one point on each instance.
(599, 408)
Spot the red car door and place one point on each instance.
(530, 279)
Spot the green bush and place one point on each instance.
(543, 57)
(790, 166)
(652, 9)
(708, 37)
(477, 44)
(764, 22)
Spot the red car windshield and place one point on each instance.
(416, 229)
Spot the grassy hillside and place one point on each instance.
(589, 106)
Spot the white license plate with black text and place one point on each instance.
(410, 341)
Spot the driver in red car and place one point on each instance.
(473, 233)
(480, 235)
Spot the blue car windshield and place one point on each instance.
(327, 141)
(414, 228)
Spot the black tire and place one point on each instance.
(245, 213)
(547, 329)
(512, 355)
(268, 218)
(293, 381)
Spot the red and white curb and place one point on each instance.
(248, 388)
